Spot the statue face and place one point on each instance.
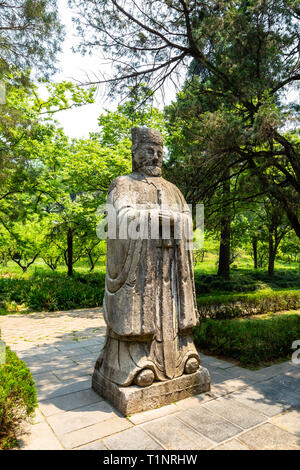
(148, 158)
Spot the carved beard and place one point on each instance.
(150, 170)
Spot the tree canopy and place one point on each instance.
(240, 56)
(30, 35)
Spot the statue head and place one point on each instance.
(147, 151)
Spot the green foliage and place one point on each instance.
(290, 248)
(232, 112)
(18, 397)
(30, 35)
(252, 342)
(50, 188)
(240, 305)
(245, 281)
(28, 137)
(116, 125)
(23, 241)
(53, 292)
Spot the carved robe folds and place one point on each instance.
(149, 304)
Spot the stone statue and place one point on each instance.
(149, 357)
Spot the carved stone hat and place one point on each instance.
(145, 134)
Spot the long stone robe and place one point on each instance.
(149, 302)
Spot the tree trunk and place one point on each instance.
(70, 251)
(91, 261)
(272, 254)
(224, 252)
(254, 247)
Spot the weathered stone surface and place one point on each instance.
(289, 382)
(133, 399)
(270, 437)
(97, 445)
(234, 444)
(81, 417)
(235, 412)
(173, 434)
(150, 301)
(289, 421)
(61, 389)
(145, 416)
(132, 439)
(94, 432)
(38, 436)
(195, 400)
(69, 402)
(268, 398)
(210, 425)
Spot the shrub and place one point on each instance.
(17, 397)
(251, 341)
(240, 305)
(245, 281)
(54, 292)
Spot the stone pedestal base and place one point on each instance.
(134, 399)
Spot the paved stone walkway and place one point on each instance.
(244, 410)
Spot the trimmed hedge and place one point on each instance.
(253, 342)
(240, 305)
(18, 398)
(55, 292)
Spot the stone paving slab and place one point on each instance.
(132, 439)
(149, 415)
(289, 421)
(39, 437)
(73, 372)
(294, 372)
(81, 417)
(45, 379)
(290, 382)
(235, 412)
(233, 444)
(195, 400)
(55, 365)
(228, 386)
(268, 398)
(244, 409)
(270, 437)
(172, 433)
(211, 425)
(54, 391)
(89, 434)
(97, 445)
(69, 402)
